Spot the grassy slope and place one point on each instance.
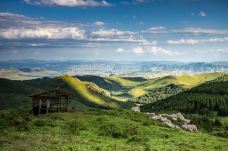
(15, 94)
(123, 88)
(88, 96)
(187, 81)
(52, 132)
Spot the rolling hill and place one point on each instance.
(127, 88)
(207, 98)
(89, 93)
(14, 94)
(186, 81)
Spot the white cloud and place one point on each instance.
(102, 33)
(99, 23)
(114, 35)
(197, 41)
(222, 50)
(138, 50)
(68, 3)
(145, 42)
(120, 50)
(202, 14)
(156, 30)
(184, 41)
(43, 33)
(158, 50)
(198, 31)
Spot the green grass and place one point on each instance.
(102, 130)
(125, 82)
(83, 92)
(187, 81)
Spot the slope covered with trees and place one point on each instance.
(159, 94)
(207, 98)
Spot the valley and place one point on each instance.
(106, 102)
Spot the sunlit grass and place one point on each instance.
(81, 88)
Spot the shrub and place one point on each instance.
(43, 122)
(110, 129)
(116, 131)
(18, 119)
(138, 139)
(130, 131)
(203, 122)
(76, 126)
(217, 122)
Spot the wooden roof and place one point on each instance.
(48, 92)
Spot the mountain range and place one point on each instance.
(31, 69)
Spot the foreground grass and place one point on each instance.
(100, 130)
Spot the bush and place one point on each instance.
(18, 119)
(203, 122)
(76, 126)
(130, 131)
(43, 122)
(116, 131)
(217, 122)
(138, 139)
(110, 129)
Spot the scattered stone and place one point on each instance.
(151, 114)
(136, 109)
(190, 127)
(167, 119)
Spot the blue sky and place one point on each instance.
(137, 30)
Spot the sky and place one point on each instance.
(127, 30)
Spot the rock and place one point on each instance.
(190, 127)
(174, 117)
(167, 122)
(181, 117)
(151, 114)
(136, 109)
(164, 119)
(156, 117)
(177, 127)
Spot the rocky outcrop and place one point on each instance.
(98, 90)
(177, 121)
(136, 109)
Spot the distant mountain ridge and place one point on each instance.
(108, 68)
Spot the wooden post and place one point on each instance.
(47, 106)
(40, 101)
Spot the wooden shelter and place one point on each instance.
(50, 101)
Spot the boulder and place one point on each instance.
(190, 127)
(169, 124)
(156, 117)
(151, 114)
(136, 109)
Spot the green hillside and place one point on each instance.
(159, 94)
(88, 96)
(15, 94)
(125, 88)
(118, 130)
(204, 99)
(187, 81)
